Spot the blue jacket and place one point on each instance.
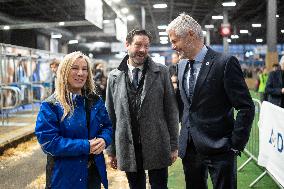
(67, 140)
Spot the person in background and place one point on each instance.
(173, 69)
(210, 86)
(275, 67)
(53, 67)
(262, 80)
(73, 127)
(141, 102)
(275, 85)
(100, 78)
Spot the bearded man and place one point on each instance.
(141, 102)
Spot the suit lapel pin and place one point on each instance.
(207, 63)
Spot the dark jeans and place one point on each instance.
(221, 167)
(158, 179)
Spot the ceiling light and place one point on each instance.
(160, 6)
(282, 31)
(164, 42)
(124, 10)
(163, 38)
(106, 21)
(162, 27)
(130, 17)
(56, 36)
(244, 31)
(74, 41)
(256, 25)
(209, 26)
(163, 33)
(277, 16)
(61, 23)
(217, 17)
(6, 27)
(229, 40)
(259, 40)
(229, 4)
(234, 36)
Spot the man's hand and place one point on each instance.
(174, 156)
(282, 90)
(97, 145)
(113, 161)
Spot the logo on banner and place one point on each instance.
(276, 140)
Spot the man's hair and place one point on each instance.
(182, 24)
(132, 33)
(281, 62)
(54, 62)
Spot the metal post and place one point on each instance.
(225, 39)
(143, 17)
(208, 37)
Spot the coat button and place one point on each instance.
(80, 179)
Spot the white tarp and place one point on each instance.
(271, 134)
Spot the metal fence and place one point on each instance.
(252, 147)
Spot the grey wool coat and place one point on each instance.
(158, 118)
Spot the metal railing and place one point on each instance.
(252, 147)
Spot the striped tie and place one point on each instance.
(191, 80)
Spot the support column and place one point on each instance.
(225, 39)
(271, 35)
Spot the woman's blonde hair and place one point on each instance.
(62, 90)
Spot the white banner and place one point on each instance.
(271, 134)
(94, 12)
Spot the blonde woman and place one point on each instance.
(73, 127)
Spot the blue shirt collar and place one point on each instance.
(200, 56)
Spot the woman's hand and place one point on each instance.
(97, 145)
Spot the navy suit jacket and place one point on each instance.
(209, 120)
(274, 86)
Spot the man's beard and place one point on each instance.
(134, 60)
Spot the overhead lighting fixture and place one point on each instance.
(277, 15)
(229, 4)
(163, 33)
(210, 26)
(124, 10)
(6, 27)
(56, 36)
(244, 31)
(259, 40)
(74, 41)
(164, 42)
(256, 25)
(160, 6)
(162, 27)
(163, 38)
(106, 21)
(234, 36)
(61, 23)
(282, 31)
(219, 17)
(130, 17)
(229, 40)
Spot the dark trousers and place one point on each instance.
(158, 179)
(221, 167)
(49, 170)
